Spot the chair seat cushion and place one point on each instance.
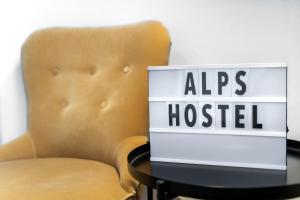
(59, 179)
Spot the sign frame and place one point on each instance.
(156, 145)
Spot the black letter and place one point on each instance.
(254, 118)
(238, 116)
(186, 115)
(204, 90)
(190, 85)
(173, 115)
(220, 82)
(209, 119)
(240, 82)
(223, 113)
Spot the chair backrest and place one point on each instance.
(87, 88)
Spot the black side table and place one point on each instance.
(216, 182)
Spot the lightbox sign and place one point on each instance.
(229, 115)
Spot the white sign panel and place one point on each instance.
(229, 115)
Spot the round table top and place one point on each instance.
(206, 181)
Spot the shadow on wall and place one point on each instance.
(13, 106)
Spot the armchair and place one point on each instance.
(87, 108)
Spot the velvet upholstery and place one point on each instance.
(87, 108)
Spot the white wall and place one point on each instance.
(207, 31)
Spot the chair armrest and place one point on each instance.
(19, 148)
(125, 147)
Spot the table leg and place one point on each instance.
(149, 193)
(160, 189)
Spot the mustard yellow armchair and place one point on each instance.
(87, 108)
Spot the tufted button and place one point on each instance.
(65, 103)
(55, 71)
(103, 104)
(93, 71)
(126, 69)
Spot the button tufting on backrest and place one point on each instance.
(55, 71)
(103, 104)
(126, 69)
(93, 71)
(65, 103)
